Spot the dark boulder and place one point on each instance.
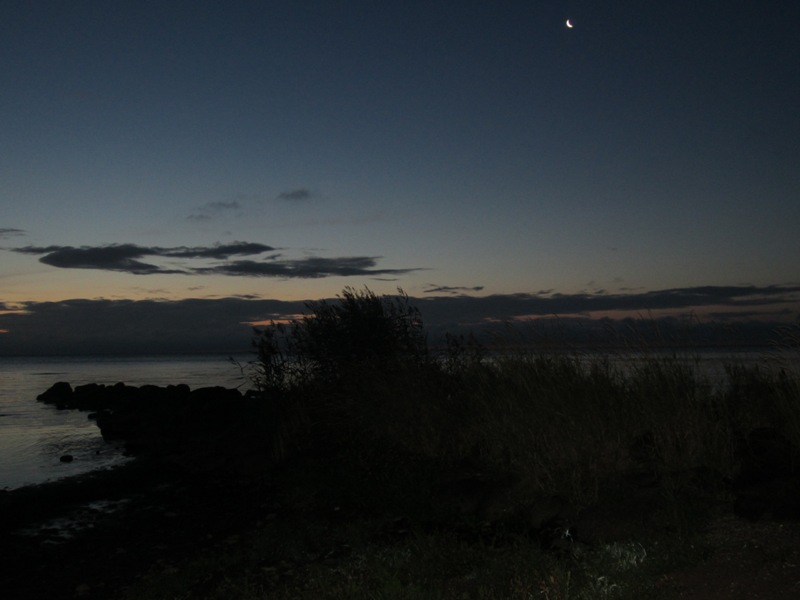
(170, 421)
(180, 389)
(91, 396)
(118, 425)
(59, 394)
(214, 395)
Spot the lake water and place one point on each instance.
(34, 436)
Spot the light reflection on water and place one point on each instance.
(33, 436)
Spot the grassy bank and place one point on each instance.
(405, 473)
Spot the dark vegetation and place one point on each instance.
(378, 467)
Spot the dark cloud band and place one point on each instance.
(511, 306)
(225, 324)
(127, 258)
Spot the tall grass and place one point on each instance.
(558, 422)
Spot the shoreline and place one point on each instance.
(127, 519)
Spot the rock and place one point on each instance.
(67, 458)
(118, 425)
(181, 389)
(91, 396)
(215, 392)
(204, 425)
(59, 393)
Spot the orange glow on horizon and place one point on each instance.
(707, 314)
(285, 320)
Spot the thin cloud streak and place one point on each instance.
(448, 289)
(9, 232)
(210, 211)
(308, 268)
(297, 195)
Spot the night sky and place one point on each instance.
(175, 170)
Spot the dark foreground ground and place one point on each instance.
(92, 535)
(154, 516)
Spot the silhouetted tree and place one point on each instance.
(359, 334)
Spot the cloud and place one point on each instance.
(296, 195)
(9, 232)
(447, 289)
(218, 251)
(224, 205)
(122, 257)
(468, 309)
(81, 326)
(127, 258)
(307, 268)
(212, 210)
(223, 325)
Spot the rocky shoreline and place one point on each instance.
(199, 473)
(158, 420)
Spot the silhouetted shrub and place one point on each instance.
(360, 333)
(350, 371)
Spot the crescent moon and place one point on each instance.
(570, 25)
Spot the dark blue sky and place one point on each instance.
(283, 150)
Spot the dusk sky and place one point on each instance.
(177, 169)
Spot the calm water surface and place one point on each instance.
(33, 436)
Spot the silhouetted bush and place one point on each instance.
(345, 372)
(362, 332)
